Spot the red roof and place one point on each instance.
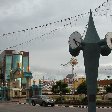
(105, 82)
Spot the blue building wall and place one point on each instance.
(17, 58)
(8, 66)
(25, 63)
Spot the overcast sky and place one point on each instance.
(49, 52)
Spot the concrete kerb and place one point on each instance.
(22, 103)
(72, 106)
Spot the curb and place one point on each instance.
(81, 106)
(103, 107)
(22, 103)
(72, 106)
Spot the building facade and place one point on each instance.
(102, 84)
(15, 73)
(74, 81)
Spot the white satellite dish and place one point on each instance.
(109, 39)
(75, 40)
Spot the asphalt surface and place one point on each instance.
(13, 107)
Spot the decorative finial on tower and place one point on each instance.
(91, 34)
(90, 12)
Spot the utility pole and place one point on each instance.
(73, 62)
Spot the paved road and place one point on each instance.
(12, 107)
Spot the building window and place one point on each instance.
(23, 93)
(15, 93)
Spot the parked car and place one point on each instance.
(42, 100)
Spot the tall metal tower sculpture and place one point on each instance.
(92, 47)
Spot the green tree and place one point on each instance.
(82, 88)
(60, 87)
(109, 89)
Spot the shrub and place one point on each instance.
(84, 101)
(60, 99)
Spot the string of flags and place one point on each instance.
(45, 25)
(45, 34)
(85, 29)
(75, 18)
(26, 42)
(67, 22)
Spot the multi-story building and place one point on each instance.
(78, 80)
(102, 85)
(47, 86)
(14, 72)
(74, 81)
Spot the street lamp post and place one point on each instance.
(75, 80)
(73, 62)
(92, 46)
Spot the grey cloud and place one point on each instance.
(48, 53)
